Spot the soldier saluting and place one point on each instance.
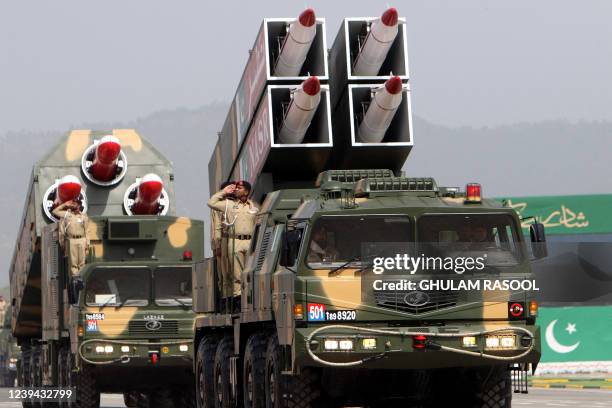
(238, 215)
(73, 238)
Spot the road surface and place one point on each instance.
(537, 398)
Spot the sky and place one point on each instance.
(472, 62)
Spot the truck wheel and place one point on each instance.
(222, 386)
(130, 399)
(25, 375)
(69, 373)
(285, 391)
(205, 372)
(254, 372)
(497, 391)
(61, 372)
(87, 395)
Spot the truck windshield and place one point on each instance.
(118, 286)
(340, 239)
(173, 286)
(492, 236)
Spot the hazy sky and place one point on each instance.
(475, 62)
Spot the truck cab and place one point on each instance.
(372, 286)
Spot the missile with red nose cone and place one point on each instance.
(303, 106)
(296, 45)
(148, 193)
(68, 189)
(104, 167)
(377, 44)
(381, 111)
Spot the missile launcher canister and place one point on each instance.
(105, 324)
(278, 134)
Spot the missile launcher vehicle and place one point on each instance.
(124, 323)
(362, 286)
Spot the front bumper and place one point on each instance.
(398, 351)
(137, 353)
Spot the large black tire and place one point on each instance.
(254, 371)
(205, 372)
(185, 397)
(130, 399)
(24, 380)
(496, 390)
(62, 372)
(35, 372)
(87, 394)
(284, 391)
(222, 387)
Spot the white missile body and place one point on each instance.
(296, 45)
(381, 111)
(377, 44)
(302, 108)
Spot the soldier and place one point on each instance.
(238, 217)
(73, 233)
(320, 248)
(218, 241)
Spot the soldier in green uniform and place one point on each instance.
(73, 238)
(238, 216)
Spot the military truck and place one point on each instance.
(9, 352)
(330, 312)
(314, 330)
(124, 323)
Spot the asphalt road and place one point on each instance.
(536, 398)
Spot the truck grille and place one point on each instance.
(396, 301)
(165, 328)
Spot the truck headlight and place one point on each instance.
(508, 341)
(125, 349)
(346, 344)
(368, 344)
(492, 342)
(469, 341)
(505, 341)
(99, 349)
(331, 344)
(183, 347)
(108, 349)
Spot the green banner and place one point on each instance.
(585, 214)
(582, 333)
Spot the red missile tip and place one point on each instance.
(389, 17)
(394, 85)
(68, 191)
(307, 18)
(312, 86)
(150, 190)
(108, 152)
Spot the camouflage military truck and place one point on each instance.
(9, 352)
(316, 330)
(124, 323)
(331, 311)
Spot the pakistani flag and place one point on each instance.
(577, 333)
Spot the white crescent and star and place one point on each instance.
(554, 344)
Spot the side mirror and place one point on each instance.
(76, 285)
(538, 240)
(291, 247)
